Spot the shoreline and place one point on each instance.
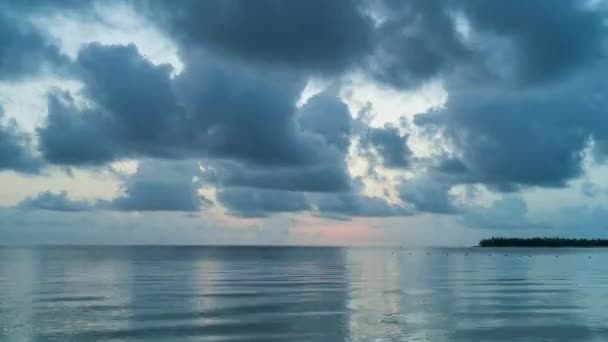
(543, 243)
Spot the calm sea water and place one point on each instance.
(302, 294)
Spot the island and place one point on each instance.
(542, 242)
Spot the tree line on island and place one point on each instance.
(542, 242)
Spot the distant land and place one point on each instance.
(542, 242)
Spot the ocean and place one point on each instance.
(302, 294)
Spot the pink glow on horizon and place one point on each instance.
(310, 230)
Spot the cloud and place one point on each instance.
(157, 185)
(330, 178)
(316, 35)
(474, 41)
(428, 194)
(525, 103)
(133, 113)
(16, 150)
(323, 123)
(54, 201)
(74, 136)
(415, 42)
(512, 138)
(161, 186)
(353, 205)
(25, 51)
(538, 41)
(239, 112)
(507, 137)
(389, 144)
(203, 111)
(242, 120)
(212, 109)
(327, 116)
(251, 202)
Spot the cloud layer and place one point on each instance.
(525, 106)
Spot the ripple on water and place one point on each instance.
(301, 294)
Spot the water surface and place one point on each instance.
(302, 294)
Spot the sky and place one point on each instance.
(314, 122)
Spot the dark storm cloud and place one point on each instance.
(16, 150)
(54, 201)
(389, 144)
(251, 202)
(315, 35)
(161, 186)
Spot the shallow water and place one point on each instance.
(302, 294)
